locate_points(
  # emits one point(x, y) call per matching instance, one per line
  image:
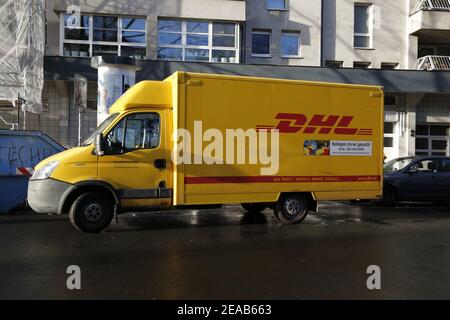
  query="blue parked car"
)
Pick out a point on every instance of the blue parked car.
point(424, 178)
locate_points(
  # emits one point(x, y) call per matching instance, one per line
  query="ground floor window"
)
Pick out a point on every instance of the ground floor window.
point(432, 140)
point(389, 134)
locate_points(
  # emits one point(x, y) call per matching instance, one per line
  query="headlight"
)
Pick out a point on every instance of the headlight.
point(45, 171)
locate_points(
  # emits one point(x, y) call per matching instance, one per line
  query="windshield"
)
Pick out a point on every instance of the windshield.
point(89, 140)
point(397, 164)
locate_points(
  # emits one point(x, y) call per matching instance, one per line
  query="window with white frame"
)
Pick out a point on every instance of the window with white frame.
point(290, 44)
point(363, 26)
point(389, 134)
point(432, 139)
point(276, 5)
point(207, 41)
point(261, 40)
point(94, 35)
point(391, 118)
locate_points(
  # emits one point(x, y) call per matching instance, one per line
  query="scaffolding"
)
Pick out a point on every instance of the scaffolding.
point(22, 45)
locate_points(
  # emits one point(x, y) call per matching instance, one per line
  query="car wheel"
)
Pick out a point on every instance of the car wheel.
point(91, 212)
point(388, 197)
point(254, 207)
point(291, 208)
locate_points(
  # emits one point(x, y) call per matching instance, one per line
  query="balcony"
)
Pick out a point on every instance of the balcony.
point(430, 63)
point(436, 5)
point(430, 16)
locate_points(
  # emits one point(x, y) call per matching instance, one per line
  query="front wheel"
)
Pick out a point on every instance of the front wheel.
point(291, 208)
point(91, 212)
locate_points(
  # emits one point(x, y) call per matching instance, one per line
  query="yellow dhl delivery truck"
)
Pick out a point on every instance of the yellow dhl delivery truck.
point(201, 139)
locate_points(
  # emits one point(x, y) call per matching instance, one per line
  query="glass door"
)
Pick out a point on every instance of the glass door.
point(432, 140)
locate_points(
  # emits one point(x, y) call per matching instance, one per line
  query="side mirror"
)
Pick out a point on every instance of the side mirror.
point(412, 171)
point(99, 145)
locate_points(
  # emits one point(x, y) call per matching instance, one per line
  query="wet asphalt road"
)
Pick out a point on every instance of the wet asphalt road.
point(228, 254)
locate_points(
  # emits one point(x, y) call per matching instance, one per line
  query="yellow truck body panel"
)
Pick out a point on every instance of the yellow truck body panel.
point(342, 113)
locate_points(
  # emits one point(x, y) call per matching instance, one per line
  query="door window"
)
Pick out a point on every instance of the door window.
point(445, 165)
point(389, 134)
point(134, 132)
point(425, 166)
point(432, 140)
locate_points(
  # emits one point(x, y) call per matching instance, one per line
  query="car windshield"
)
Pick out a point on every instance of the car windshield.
point(89, 140)
point(397, 164)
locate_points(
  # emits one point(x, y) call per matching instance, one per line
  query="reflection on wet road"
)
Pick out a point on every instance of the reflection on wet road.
point(227, 253)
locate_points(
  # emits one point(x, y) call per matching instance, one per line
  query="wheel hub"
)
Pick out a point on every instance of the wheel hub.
point(93, 212)
point(293, 207)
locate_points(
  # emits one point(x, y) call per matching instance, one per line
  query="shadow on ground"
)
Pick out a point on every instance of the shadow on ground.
point(329, 213)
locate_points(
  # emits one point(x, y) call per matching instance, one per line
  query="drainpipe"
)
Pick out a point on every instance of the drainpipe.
point(321, 31)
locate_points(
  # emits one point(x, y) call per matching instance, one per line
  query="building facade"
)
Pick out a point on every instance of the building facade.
point(364, 34)
point(345, 33)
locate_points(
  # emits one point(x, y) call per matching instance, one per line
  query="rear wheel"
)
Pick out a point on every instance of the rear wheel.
point(254, 207)
point(91, 212)
point(291, 208)
point(388, 197)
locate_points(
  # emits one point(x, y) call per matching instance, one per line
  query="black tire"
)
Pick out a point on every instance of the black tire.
point(388, 199)
point(440, 203)
point(291, 208)
point(91, 212)
point(254, 207)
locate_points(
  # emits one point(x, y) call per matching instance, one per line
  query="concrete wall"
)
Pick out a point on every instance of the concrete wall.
point(231, 10)
point(303, 16)
point(390, 38)
point(429, 20)
point(434, 108)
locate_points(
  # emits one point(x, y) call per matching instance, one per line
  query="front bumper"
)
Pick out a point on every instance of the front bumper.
point(44, 196)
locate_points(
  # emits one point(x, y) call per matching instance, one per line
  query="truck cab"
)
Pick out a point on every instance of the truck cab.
point(122, 164)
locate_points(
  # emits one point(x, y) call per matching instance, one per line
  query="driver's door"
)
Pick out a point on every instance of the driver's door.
point(419, 181)
point(131, 149)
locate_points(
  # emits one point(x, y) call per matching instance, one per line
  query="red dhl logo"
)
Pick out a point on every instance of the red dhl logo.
point(319, 123)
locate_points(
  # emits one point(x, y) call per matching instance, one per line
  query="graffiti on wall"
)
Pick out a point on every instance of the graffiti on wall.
point(13, 156)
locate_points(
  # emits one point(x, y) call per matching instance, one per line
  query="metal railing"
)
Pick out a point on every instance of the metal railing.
point(12, 125)
point(433, 63)
point(432, 5)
